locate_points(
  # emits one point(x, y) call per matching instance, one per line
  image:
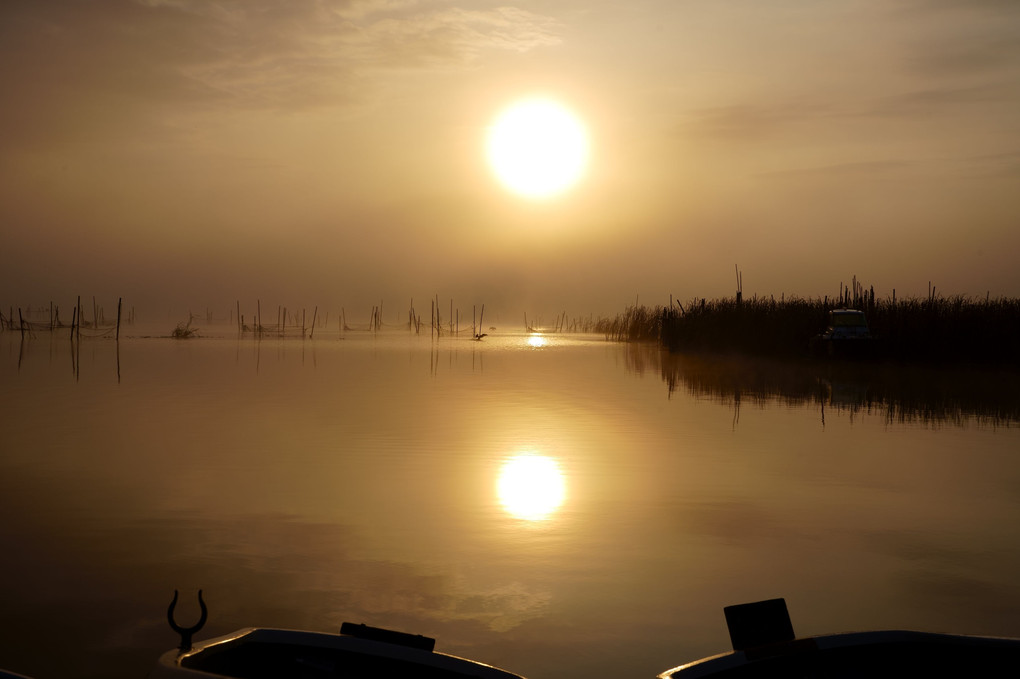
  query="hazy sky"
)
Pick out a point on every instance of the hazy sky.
point(197, 152)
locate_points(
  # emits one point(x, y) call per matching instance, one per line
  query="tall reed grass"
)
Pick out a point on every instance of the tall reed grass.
point(935, 329)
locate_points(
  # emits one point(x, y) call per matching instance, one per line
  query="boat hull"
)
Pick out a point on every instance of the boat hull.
point(263, 653)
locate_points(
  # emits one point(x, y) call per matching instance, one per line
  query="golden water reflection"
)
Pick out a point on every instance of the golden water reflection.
point(537, 341)
point(531, 486)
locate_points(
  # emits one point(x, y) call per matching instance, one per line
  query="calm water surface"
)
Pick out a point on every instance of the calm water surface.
point(304, 483)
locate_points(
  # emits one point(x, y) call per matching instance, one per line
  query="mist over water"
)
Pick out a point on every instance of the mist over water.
point(301, 483)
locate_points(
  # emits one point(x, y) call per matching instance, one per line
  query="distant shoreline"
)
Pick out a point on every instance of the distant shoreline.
point(934, 331)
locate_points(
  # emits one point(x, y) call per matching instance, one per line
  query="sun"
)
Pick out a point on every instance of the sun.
point(537, 148)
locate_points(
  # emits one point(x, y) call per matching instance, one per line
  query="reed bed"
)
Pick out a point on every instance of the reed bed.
point(636, 324)
point(935, 329)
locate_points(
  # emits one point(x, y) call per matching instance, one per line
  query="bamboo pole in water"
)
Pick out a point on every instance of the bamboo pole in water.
point(21, 323)
point(78, 331)
point(117, 336)
point(314, 314)
point(74, 318)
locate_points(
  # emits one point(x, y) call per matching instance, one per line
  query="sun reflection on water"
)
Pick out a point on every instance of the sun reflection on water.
point(537, 341)
point(531, 486)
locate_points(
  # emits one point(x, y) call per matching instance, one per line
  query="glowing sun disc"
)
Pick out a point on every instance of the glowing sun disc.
point(531, 487)
point(537, 148)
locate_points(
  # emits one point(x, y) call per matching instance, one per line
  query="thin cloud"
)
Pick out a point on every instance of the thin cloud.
point(969, 6)
point(986, 165)
point(967, 55)
point(750, 122)
point(921, 102)
point(298, 52)
point(104, 69)
point(870, 168)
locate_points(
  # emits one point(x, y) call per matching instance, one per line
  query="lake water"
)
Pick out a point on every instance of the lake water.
point(301, 483)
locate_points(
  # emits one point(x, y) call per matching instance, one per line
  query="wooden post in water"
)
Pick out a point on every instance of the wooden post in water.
point(21, 323)
point(117, 336)
point(78, 331)
point(315, 313)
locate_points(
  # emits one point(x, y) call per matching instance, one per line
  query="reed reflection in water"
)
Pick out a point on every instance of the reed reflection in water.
point(899, 393)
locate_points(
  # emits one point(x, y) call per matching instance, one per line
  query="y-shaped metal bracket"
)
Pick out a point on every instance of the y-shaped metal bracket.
point(186, 632)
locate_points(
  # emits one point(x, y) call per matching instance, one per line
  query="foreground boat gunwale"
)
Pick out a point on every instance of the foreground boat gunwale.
point(197, 660)
point(897, 647)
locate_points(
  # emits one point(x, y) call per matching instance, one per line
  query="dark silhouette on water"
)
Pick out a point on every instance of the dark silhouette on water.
point(764, 645)
point(187, 632)
point(928, 395)
point(935, 330)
